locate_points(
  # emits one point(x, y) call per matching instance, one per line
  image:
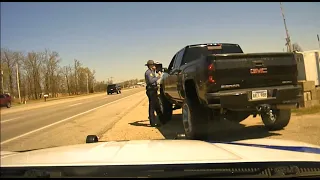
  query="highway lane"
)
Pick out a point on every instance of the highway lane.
point(35, 105)
point(16, 124)
point(22, 111)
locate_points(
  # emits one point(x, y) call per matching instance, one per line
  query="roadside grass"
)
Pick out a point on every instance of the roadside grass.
point(304, 111)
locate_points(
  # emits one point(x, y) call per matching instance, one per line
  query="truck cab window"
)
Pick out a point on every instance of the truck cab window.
point(227, 49)
point(193, 53)
point(171, 63)
point(178, 59)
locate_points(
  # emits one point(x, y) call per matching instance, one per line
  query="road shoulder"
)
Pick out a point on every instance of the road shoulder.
point(133, 126)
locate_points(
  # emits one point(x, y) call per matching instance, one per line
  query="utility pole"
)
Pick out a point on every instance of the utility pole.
point(92, 85)
point(287, 32)
point(87, 83)
point(2, 83)
point(75, 75)
point(18, 84)
point(111, 80)
point(318, 40)
point(67, 71)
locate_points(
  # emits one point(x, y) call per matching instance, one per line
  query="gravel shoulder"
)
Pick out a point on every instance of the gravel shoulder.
point(135, 125)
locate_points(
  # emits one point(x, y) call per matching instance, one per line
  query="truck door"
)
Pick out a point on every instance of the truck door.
point(174, 73)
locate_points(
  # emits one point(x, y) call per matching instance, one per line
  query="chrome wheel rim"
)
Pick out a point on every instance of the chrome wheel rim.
point(186, 119)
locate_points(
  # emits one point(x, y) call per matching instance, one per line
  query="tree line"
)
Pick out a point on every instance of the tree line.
point(34, 74)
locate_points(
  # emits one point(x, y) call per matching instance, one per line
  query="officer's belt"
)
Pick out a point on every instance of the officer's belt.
point(151, 87)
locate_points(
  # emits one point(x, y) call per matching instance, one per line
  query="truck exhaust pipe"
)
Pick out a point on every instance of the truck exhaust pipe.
point(263, 108)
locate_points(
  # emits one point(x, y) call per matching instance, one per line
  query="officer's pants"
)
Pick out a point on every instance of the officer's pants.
point(153, 106)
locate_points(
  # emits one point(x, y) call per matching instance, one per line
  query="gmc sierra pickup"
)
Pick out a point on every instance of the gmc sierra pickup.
point(218, 81)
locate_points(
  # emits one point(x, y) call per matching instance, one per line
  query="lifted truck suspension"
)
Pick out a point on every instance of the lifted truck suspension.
point(266, 109)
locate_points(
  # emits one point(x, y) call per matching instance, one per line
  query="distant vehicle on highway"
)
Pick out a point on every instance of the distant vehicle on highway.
point(220, 81)
point(143, 84)
point(113, 88)
point(5, 100)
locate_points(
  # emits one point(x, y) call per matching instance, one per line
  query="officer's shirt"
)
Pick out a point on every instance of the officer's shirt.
point(151, 78)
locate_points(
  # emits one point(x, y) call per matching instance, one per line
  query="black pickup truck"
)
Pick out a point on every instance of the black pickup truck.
point(218, 81)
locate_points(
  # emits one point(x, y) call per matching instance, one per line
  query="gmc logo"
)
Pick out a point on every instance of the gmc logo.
point(258, 71)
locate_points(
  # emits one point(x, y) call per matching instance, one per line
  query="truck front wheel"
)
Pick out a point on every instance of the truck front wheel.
point(276, 119)
point(195, 121)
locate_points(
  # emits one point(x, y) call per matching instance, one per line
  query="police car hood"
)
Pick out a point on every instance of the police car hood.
point(136, 152)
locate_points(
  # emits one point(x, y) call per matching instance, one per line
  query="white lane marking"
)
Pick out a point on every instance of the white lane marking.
point(10, 119)
point(75, 104)
point(63, 120)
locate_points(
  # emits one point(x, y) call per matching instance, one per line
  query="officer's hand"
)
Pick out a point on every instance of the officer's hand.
point(159, 72)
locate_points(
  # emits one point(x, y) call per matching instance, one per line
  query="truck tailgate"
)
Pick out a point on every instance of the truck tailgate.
point(235, 71)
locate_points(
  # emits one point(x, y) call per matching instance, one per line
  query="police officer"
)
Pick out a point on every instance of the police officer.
point(152, 88)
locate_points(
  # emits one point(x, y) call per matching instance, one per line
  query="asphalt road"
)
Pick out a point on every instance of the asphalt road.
point(17, 125)
point(125, 117)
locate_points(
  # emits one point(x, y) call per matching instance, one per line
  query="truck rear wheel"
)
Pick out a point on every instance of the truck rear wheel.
point(277, 120)
point(195, 120)
point(8, 104)
point(166, 108)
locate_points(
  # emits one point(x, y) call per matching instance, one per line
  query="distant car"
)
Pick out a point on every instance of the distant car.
point(5, 100)
point(113, 88)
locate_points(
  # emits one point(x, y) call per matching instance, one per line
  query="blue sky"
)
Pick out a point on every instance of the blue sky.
point(116, 39)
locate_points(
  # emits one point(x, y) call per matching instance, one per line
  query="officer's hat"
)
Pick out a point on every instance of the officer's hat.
point(150, 62)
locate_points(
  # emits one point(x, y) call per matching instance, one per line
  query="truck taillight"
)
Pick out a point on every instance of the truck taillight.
point(211, 67)
point(211, 80)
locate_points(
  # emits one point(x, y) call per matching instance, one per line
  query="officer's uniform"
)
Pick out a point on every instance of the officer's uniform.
point(151, 88)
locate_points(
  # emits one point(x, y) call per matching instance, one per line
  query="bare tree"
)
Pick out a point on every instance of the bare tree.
point(66, 72)
point(32, 64)
point(296, 47)
point(51, 66)
point(40, 72)
point(7, 57)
